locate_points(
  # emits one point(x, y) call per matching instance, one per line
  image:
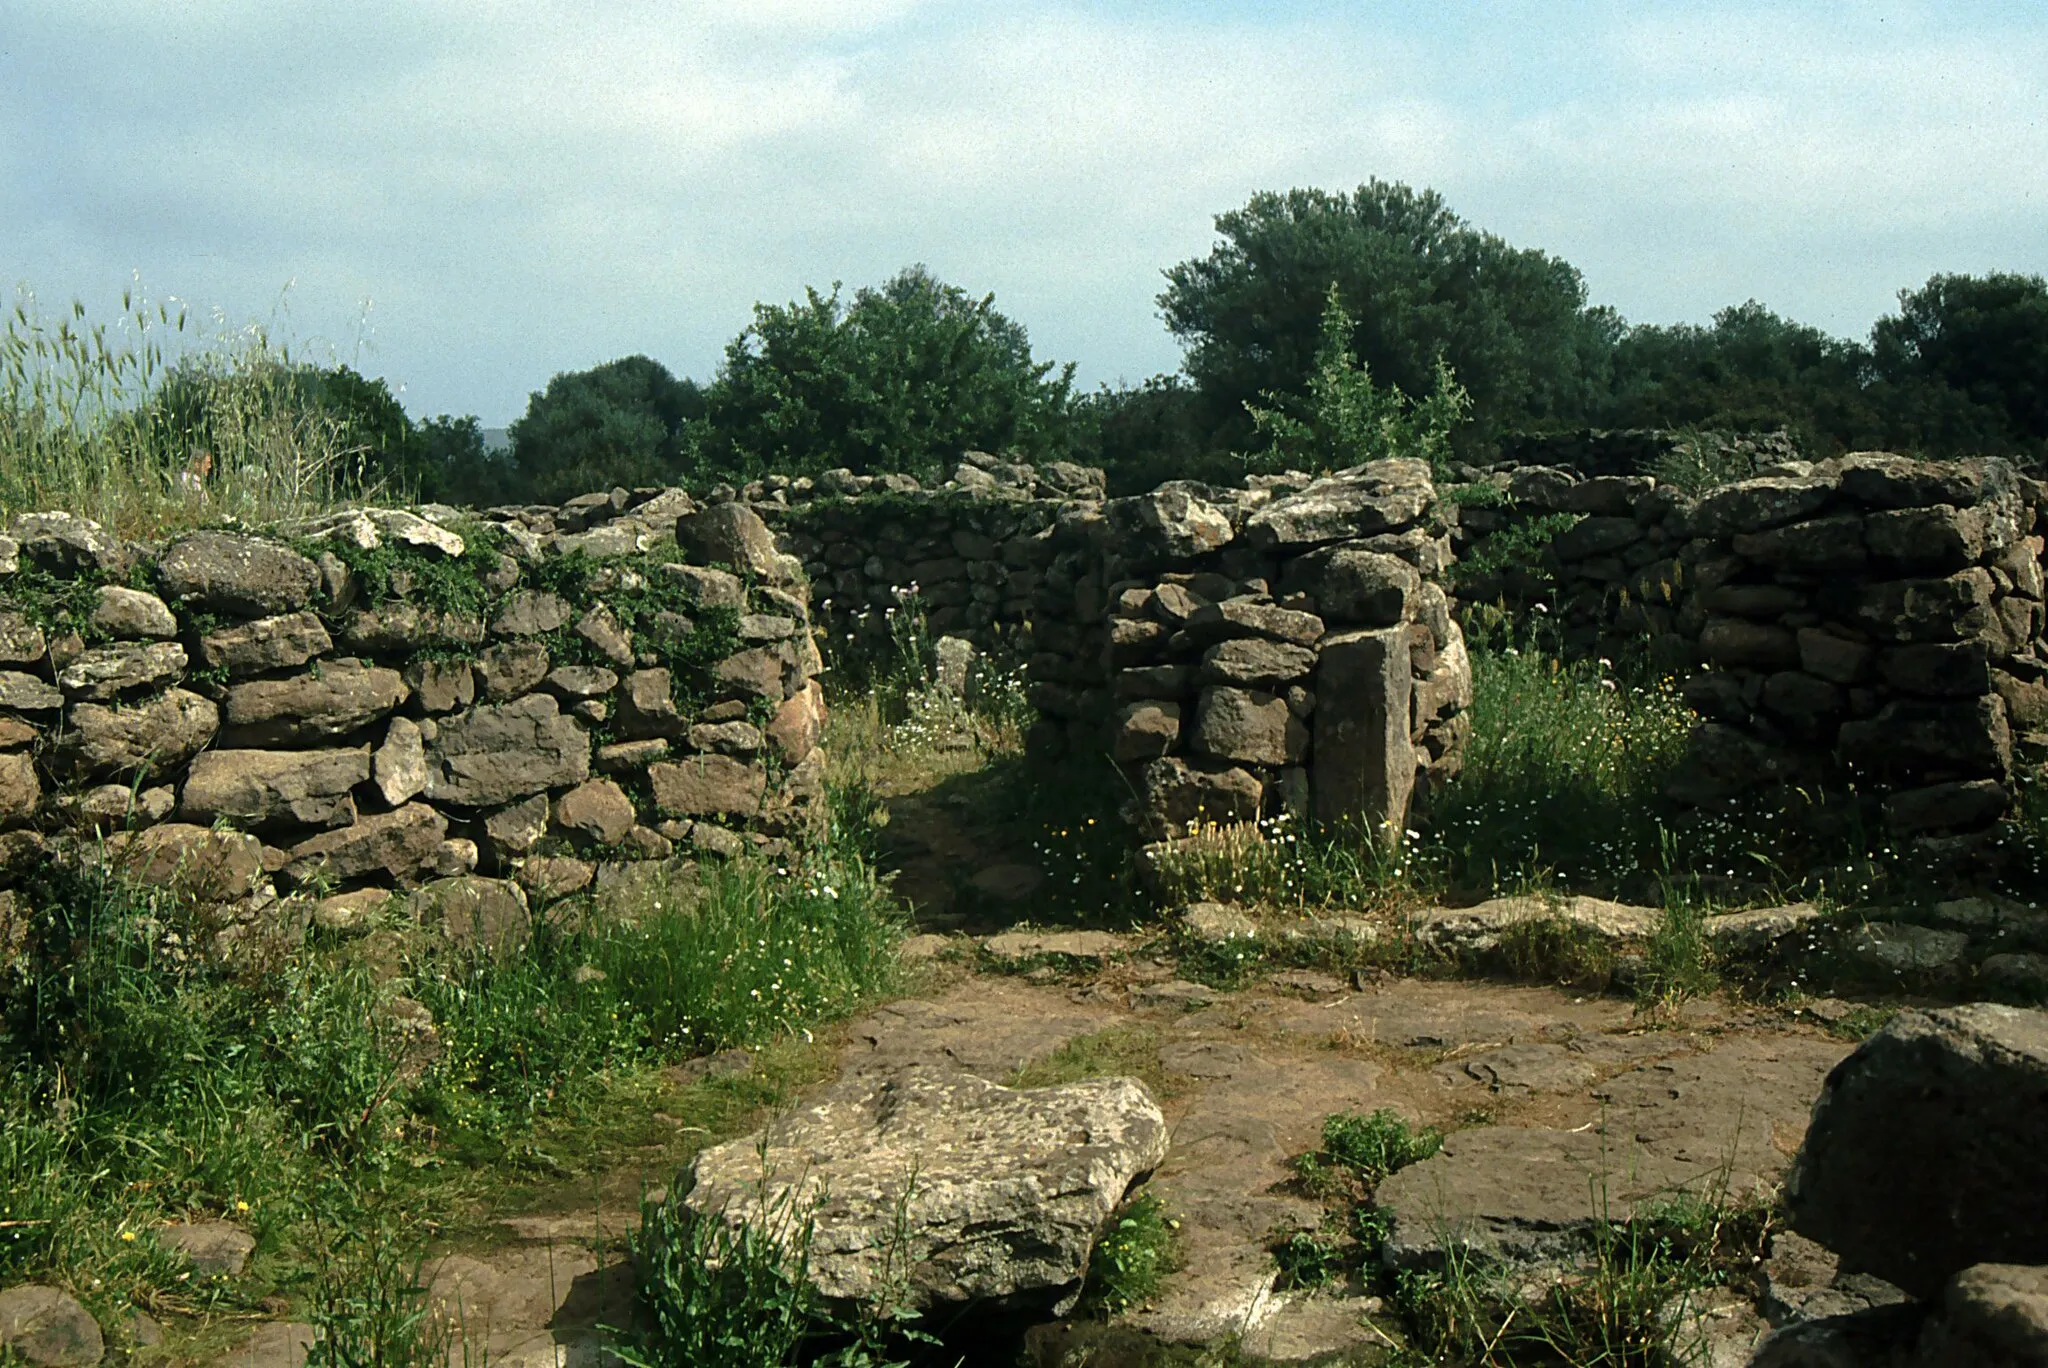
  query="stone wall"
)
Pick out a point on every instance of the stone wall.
point(1644, 451)
point(1877, 619)
point(493, 706)
point(1287, 646)
point(1870, 620)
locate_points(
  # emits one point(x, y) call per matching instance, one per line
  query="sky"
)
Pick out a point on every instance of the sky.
point(467, 198)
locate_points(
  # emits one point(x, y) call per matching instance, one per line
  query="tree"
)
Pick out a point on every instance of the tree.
point(621, 423)
point(1345, 419)
point(1419, 282)
point(1965, 361)
point(1750, 370)
point(904, 378)
point(1144, 435)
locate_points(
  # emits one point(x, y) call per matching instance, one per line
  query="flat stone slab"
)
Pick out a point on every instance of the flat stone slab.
point(1724, 1121)
point(1479, 928)
point(1021, 947)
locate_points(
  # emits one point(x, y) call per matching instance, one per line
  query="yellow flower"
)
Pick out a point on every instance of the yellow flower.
point(128, 1237)
point(241, 1205)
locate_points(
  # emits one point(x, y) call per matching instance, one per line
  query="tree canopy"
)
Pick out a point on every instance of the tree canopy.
point(621, 423)
point(903, 378)
point(1420, 284)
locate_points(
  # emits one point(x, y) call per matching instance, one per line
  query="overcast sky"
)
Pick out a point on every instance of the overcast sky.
point(517, 189)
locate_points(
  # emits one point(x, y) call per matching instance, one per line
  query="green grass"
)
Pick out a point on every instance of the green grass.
point(147, 1079)
point(1125, 1050)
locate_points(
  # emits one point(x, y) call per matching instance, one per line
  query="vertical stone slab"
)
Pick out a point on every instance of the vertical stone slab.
point(1362, 764)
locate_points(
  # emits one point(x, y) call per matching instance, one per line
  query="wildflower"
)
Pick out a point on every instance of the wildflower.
point(127, 1237)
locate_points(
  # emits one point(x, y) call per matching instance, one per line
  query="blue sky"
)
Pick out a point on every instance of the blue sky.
point(466, 198)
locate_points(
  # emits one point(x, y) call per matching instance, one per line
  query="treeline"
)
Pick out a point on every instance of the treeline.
point(906, 375)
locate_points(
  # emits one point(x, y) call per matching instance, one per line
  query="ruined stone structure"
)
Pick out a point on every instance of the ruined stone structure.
point(1288, 646)
point(477, 709)
point(1872, 620)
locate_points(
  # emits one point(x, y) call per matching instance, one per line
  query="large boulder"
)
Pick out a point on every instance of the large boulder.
point(500, 752)
point(225, 572)
point(107, 740)
point(1380, 496)
point(263, 790)
point(1924, 1156)
point(48, 1328)
point(996, 1194)
point(341, 697)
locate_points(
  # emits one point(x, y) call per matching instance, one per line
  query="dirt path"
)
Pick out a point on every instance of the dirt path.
point(1546, 1094)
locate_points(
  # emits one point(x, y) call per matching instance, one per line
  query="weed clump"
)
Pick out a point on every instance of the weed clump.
point(1132, 1257)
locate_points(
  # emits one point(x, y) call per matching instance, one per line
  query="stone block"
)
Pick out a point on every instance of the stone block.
point(1364, 771)
point(262, 790)
point(498, 752)
point(1248, 727)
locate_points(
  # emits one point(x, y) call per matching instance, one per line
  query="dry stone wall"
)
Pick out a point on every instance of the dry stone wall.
point(1870, 620)
point(480, 708)
point(1288, 646)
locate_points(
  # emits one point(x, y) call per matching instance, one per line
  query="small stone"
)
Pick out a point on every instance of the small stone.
point(519, 828)
point(726, 738)
point(133, 614)
point(582, 681)
point(1209, 923)
point(555, 876)
point(1175, 993)
point(285, 642)
point(707, 786)
point(528, 613)
point(648, 843)
point(455, 856)
point(400, 764)
point(510, 669)
point(625, 757)
point(347, 913)
point(213, 1248)
point(1021, 947)
point(597, 810)
point(1899, 950)
point(109, 672)
point(601, 629)
point(717, 841)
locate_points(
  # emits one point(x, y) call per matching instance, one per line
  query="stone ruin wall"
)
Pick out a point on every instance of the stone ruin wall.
point(297, 716)
point(297, 725)
point(1285, 647)
point(1871, 619)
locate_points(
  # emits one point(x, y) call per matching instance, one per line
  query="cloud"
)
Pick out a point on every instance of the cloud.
point(525, 189)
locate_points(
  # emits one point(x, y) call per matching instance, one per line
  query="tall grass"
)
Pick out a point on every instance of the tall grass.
point(147, 1077)
point(147, 423)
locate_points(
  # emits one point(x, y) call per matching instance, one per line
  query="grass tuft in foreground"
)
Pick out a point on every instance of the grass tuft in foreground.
point(379, 1085)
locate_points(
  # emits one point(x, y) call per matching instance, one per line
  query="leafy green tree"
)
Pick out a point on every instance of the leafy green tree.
point(621, 423)
point(1144, 435)
point(1345, 419)
point(904, 378)
point(1965, 361)
point(1421, 283)
point(1750, 370)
